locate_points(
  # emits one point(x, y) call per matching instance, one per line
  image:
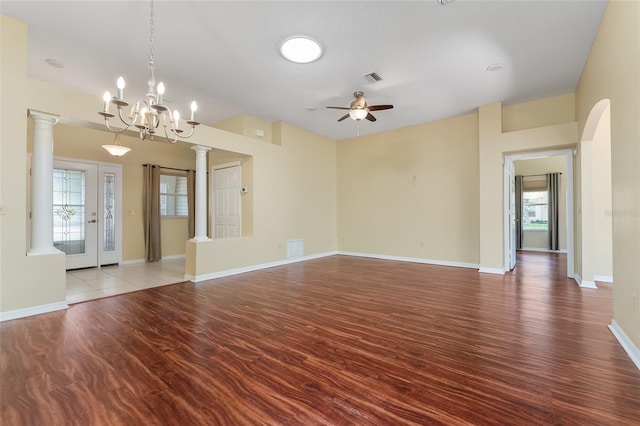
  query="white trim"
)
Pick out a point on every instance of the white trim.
point(584, 283)
point(577, 278)
point(603, 278)
point(229, 272)
point(142, 260)
point(251, 268)
point(33, 310)
point(132, 261)
point(497, 271)
point(542, 250)
point(412, 259)
point(173, 256)
point(626, 343)
point(569, 166)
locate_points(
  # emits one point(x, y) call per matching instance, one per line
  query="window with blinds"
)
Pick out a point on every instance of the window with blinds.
point(173, 196)
point(535, 204)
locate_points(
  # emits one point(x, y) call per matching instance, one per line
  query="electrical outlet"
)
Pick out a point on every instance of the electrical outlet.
point(635, 303)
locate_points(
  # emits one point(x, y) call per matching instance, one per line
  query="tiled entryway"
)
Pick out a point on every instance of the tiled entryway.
point(94, 283)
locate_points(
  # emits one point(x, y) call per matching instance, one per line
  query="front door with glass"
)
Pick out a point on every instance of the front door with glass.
point(86, 212)
point(75, 212)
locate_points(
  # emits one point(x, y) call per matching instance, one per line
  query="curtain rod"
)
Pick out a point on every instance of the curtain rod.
point(169, 168)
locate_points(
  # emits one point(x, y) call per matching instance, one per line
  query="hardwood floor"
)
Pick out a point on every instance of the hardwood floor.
point(333, 341)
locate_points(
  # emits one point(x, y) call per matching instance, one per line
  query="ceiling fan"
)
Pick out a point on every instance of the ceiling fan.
point(359, 108)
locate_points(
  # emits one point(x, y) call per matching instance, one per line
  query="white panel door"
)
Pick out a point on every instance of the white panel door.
point(75, 212)
point(226, 188)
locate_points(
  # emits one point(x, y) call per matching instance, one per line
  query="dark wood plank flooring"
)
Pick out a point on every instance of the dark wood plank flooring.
point(333, 341)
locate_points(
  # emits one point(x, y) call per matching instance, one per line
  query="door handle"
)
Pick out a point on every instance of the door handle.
point(92, 221)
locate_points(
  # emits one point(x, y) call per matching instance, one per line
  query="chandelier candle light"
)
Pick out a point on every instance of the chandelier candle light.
point(148, 113)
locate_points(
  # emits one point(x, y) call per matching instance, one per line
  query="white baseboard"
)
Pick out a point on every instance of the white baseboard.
point(543, 250)
point(603, 278)
point(132, 261)
point(497, 271)
point(33, 310)
point(412, 259)
point(135, 261)
point(588, 284)
point(584, 283)
point(626, 343)
point(175, 256)
point(229, 272)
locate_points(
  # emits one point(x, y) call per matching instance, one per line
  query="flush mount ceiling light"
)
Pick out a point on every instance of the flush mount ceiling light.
point(149, 113)
point(300, 49)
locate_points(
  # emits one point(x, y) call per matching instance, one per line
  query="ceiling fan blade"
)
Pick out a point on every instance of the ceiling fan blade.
point(343, 117)
point(379, 107)
point(339, 107)
point(370, 117)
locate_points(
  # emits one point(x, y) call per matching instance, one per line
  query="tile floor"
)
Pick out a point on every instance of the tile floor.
point(94, 283)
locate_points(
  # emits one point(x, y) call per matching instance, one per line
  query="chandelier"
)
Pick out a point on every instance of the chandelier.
point(149, 113)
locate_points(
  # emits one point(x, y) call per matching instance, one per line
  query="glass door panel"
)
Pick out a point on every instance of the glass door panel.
point(75, 212)
point(69, 210)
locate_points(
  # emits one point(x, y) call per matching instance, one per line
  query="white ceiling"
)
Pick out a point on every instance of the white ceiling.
point(432, 58)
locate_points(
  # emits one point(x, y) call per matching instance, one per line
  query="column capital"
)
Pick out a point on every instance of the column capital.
point(199, 148)
point(34, 114)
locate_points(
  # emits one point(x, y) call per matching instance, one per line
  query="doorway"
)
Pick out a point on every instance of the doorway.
point(87, 212)
point(509, 209)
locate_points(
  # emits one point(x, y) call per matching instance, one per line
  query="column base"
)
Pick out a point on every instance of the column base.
point(45, 250)
point(200, 239)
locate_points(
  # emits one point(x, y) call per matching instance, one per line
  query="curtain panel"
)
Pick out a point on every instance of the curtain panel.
point(151, 212)
point(191, 201)
point(518, 191)
point(553, 189)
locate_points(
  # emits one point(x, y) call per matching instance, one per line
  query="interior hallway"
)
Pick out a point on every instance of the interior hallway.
point(95, 283)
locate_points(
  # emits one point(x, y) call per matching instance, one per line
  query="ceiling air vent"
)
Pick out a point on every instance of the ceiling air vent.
point(372, 77)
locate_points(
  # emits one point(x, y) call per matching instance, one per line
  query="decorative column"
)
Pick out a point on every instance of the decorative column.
point(201, 194)
point(42, 183)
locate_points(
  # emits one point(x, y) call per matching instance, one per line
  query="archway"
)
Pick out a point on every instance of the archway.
point(594, 259)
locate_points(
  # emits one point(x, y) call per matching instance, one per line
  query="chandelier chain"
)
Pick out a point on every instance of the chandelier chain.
point(151, 32)
point(149, 115)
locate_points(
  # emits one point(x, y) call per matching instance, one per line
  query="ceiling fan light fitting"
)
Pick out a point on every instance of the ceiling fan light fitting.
point(358, 114)
point(300, 49)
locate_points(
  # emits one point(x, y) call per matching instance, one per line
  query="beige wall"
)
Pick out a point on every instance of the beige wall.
point(25, 281)
point(611, 72)
point(536, 166)
point(451, 211)
point(539, 113)
point(249, 126)
point(86, 144)
point(494, 145)
point(412, 192)
point(293, 184)
point(294, 190)
point(602, 220)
